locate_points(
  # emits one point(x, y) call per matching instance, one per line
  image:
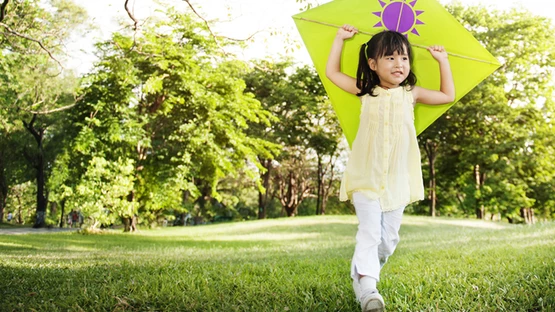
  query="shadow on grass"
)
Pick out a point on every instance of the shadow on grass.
point(267, 236)
point(257, 245)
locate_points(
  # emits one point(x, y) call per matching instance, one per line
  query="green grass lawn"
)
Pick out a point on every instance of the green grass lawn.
point(298, 264)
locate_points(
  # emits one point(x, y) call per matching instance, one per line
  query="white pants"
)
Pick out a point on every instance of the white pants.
point(377, 236)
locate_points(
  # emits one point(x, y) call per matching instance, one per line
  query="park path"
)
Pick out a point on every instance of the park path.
point(19, 231)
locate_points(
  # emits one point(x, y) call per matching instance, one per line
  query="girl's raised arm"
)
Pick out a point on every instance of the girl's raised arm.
point(333, 66)
point(446, 93)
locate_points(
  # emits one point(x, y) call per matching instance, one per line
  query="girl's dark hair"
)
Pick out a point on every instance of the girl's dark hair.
point(382, 44)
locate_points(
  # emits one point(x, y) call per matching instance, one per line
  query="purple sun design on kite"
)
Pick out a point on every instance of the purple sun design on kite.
point(400, 16)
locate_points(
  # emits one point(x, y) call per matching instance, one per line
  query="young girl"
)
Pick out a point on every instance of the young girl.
point(383, 173)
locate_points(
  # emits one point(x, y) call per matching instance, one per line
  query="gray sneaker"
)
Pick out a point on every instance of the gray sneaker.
point(372, 302)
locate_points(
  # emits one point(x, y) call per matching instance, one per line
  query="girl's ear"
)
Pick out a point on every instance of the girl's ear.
point(372, 64)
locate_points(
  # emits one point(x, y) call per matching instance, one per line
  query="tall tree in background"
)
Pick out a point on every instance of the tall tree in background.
point(325, 140)
point(489, 146)
point(33, 38)
point(163, 113)
point(301, 98)
point(265, 82)
point(300, 103)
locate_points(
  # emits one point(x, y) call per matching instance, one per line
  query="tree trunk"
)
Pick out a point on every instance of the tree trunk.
point(38, 160)
point(262, 205)
point(320, 186)
point(134, 221)
point(41, 199)
point(527, 215)
point(326, 188)
point(291, 199)
point(324, 203)
point(126, 224)
point(431, 152)
point(480, 179)
point(1, 207)
point(205, 197)
point(130, 224)
point(264, 197)
point(19, 206)
point(63, 204)
point(3, 192)
point(293, 190)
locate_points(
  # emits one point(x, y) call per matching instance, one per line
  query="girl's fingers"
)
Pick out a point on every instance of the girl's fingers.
point(349, 28)
point(437, 48)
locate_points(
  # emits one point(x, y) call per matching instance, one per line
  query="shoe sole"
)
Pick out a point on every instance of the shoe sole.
point(374, 306)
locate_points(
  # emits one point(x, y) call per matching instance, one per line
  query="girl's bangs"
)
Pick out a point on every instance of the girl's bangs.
point(392, 43)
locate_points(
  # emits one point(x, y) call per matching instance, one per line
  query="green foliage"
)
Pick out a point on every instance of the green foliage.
point(51, 22)
point(495, 144)
point(33, 90)
point(166, 123)
point(168, 112)
point(102, 191)
point(307, 131)
point(21, 202)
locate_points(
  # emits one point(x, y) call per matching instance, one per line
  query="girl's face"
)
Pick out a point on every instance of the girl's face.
point(391, 69)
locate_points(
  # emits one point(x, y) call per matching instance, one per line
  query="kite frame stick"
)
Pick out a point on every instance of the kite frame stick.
point(414, 45)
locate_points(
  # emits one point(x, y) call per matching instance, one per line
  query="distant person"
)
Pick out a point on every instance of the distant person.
point(10, 216)
point(383, 173)
point(74, 218)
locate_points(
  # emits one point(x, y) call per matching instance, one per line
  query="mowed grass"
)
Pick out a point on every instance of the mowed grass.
point(298, 264)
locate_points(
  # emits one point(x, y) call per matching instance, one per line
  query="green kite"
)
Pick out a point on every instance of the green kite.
point(424, 22)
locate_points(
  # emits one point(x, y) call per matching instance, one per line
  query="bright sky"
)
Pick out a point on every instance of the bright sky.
point(240, 19)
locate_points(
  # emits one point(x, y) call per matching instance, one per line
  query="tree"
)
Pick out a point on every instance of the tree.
point(265, 82)
point(325, 140)
point(168, 104)
point(34, 32)
point(488, 147)
point(306, 129)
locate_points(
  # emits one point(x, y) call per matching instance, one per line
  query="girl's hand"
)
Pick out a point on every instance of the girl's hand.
point(446, 93)
point(346, 31)
point(333, 66)
point(438, 52)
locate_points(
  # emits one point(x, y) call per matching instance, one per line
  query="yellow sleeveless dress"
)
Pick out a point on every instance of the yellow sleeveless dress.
point(384, 163)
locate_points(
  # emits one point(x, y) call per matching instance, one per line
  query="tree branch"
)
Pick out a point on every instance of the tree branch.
point(216, 37)
point(131, 16)
point(31, 127)
point(3, 9)
point(39, 42)
point(202, 18)
point(59, 109)
point(135, 23)
point(51, 111)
